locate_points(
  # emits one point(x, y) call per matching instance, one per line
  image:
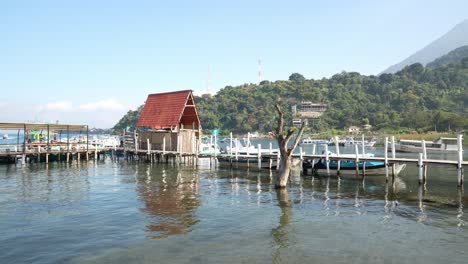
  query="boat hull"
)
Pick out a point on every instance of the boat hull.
point(411, 149)
point(348, 168)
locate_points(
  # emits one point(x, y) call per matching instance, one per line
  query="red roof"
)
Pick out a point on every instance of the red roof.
point(166, 110)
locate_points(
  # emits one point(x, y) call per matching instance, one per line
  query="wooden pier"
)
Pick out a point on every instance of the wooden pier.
point(134, 149)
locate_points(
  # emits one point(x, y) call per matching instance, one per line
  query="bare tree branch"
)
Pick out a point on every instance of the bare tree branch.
point(298, 138)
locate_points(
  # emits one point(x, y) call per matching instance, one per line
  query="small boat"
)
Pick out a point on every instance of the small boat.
point(348, 167)
point(366, 143)
point(5, 136)
point(309, 141)
point(440, 145)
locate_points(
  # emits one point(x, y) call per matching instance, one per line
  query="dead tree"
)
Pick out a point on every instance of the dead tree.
point(286, 162)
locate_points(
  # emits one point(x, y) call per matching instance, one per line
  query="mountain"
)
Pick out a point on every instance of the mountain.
point(453, 39)
point(455, 56)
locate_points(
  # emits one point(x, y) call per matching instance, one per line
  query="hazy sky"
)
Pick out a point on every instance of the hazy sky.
point(89, 62)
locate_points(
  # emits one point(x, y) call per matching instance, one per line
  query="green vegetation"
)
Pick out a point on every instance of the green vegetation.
point(128, 121)
point(415, 98)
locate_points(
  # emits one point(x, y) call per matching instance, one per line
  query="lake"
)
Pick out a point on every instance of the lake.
point(130, 212)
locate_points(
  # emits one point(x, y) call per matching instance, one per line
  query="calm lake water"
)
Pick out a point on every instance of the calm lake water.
point(128, 212)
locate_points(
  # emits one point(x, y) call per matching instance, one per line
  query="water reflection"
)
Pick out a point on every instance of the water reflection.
point(461, 223)
point(170, 196)
point(281, 234)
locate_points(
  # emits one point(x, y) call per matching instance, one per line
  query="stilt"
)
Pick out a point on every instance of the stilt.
point(386, 158)
point(424, 159)
point(393, 157)
point(420, 168)
point(460, 160)
point(259, 156)
point(357, 159)
point(327, 160)
point(337, 150)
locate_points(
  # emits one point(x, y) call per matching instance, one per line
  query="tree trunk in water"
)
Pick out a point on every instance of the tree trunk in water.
point(286, 152)
point(282, 176)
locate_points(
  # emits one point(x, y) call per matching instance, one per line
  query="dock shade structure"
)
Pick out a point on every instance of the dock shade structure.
point(46, 135)
point(169, 122)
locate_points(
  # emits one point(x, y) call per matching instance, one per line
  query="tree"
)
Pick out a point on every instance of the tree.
point(296, 77)
point(285, 163)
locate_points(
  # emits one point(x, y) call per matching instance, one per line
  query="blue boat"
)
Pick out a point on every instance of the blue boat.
point(348, 167)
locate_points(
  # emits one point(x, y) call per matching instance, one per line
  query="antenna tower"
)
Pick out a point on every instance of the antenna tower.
point(259, 71)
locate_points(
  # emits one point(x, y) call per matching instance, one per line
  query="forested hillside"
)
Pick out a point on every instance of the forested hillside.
point(415, 98)
point(456, 56)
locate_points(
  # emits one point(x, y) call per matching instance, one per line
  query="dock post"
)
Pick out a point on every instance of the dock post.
point(278, 158)
point(337, 147)
point(259, 156)
point(386, 158)
point(301, 160)
point(47, 157)
point(164, 146)
point(363, 146)
point(420, 168)
point(424, 159)
point(356, 150)
point(327, 160)
point(230, 144)
point(271, 158)
point(314, 148)
point(95, 154)
point(460, 160)
point(393, 157)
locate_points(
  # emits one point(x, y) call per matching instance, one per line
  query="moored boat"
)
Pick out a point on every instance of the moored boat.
point(348, 167)
point(440, 145)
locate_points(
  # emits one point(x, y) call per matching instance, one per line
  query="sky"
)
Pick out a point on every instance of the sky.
point(89, 62)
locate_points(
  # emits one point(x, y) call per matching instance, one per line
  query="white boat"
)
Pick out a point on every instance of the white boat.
point(5, 136)
point(440, 145)
point(309, 141)
point(366, 143)
point(243, 147)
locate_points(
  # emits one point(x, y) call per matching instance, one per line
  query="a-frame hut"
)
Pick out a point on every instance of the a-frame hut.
point(170, 120)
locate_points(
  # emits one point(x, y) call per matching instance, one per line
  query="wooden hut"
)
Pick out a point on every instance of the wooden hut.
point(170, 121)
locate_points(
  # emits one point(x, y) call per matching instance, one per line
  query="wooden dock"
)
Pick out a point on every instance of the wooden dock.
point(130, 150)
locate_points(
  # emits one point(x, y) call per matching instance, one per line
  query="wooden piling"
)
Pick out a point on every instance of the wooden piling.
point(314, 148)
point(356, 150)
point(393, 157)
point(386, 158)
point(420, 168)
point(337, 151)
point(460, 160)
point(259, 156)
point(424, 159)
point(327, 160)
point(270, 151)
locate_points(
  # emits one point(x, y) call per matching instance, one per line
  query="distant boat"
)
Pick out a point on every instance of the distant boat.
point(5, 136)
point(309, 141)
point(440, 145)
